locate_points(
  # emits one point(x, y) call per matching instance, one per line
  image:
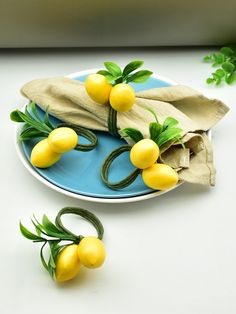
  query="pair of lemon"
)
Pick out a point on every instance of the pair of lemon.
point(121, 96)
point(90, 252)
point(157, 176)
point(48, 151)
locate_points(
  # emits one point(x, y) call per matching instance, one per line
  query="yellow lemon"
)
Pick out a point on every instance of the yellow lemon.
point(144, 153)
point(122, 97)
point(98, 88)
point(91, 252)
point(42, 156)
point(160, 177)
point(67, 264)
point(62, 140)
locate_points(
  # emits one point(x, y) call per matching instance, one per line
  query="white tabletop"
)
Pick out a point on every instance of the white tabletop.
point(174, 254)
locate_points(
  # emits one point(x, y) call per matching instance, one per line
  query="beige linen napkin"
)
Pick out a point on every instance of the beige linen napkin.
point(68, 100)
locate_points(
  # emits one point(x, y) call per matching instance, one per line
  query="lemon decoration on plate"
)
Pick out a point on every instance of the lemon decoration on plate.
point(122, 97)
point(98, 88)
point(111, 86)
point(62, 140)
point(57, 140)
point(144, 155)
point(160, 177)
point(42, 156)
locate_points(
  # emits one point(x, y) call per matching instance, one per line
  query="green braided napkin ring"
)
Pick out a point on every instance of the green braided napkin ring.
point(65, 259)
point(87, 215)
point(107, 163)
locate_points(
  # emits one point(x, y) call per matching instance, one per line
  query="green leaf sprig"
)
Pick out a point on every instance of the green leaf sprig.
point(161, 134)
point(116, 75)
point(225, 62)
point(56, 236)
point(51, 235)
point(35, 127)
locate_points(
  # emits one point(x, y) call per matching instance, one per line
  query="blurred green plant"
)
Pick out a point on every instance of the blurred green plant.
point(225, 62)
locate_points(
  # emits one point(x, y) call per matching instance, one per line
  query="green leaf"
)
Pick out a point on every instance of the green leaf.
point(229, 79)
point(219, 58)
point(54, 231)
point(217, 78)
point(47, 121)
point(220, 73)
point(140, 76)
point(155, 130)
point(107, 74)
point(207, 58)
point(33, 108)
point(42, 257)
point(29, 235)
point(210, 80)
point(113, 68)
point(50, 228)
point(38, 226)
point(153, 113)
point(228, 67)
point(130, 67)
point(30, 133)
point(30, 120)
point(15, 116)
point(169, 123)
point(54, 251)
point(134, 134)
point(228, 52)
point(168, 135)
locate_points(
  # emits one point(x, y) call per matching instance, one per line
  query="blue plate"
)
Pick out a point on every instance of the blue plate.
point(79, 172)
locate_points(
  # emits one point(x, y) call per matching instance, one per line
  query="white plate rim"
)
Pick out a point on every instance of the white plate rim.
point(43, 180)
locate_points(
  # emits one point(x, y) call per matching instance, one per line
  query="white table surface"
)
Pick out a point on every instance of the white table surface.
point(175, 254)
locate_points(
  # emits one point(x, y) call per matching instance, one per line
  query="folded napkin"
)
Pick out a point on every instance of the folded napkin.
point(68, 100)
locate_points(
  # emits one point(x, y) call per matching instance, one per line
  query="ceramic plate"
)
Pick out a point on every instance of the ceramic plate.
point(77, 174)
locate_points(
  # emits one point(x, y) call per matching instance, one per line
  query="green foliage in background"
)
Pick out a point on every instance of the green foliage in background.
point(225, 62)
